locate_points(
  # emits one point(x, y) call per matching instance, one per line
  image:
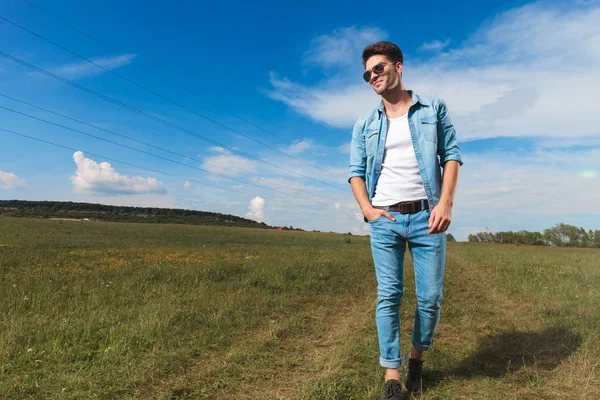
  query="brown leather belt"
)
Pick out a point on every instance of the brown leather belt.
point(407, 207)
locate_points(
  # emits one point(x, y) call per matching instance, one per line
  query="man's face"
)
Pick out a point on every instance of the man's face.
point(387, 79)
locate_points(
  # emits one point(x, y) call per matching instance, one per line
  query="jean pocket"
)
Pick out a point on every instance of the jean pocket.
point(376, 219)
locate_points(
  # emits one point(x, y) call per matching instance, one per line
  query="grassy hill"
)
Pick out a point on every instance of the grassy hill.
point(159, 311)
point(100, 212)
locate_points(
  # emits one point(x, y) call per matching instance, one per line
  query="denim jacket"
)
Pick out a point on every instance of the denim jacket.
point(433, 138)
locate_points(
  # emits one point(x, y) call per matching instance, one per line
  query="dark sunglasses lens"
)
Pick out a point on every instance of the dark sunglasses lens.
point(378, 68)
point(367, 76)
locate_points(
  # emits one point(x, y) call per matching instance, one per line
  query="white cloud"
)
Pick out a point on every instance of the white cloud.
point(218, 149)
point(9, 180)
point(344, 148)
point(187, 185)
point(256, 209)
point(330, 172)
point(299, 146)
point(588, 173)
point(229, 163)
point(338, 106)
point(496, 191)
point(342, 47)
point(309, 205)
point(532, 71)
point(505, 191)
point(314, 151)
point(84, 68)
point(350, 209)
point(102, 179)
point(562, 143)
point(282, 184)
point(435, 45)
point(351, 206)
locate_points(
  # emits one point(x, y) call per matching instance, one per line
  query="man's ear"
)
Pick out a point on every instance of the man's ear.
point(400, 68)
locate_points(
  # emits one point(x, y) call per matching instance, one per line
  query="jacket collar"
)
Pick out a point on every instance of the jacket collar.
point(415, 99)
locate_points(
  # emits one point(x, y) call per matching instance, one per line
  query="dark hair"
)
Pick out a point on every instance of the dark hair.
point(388, 49)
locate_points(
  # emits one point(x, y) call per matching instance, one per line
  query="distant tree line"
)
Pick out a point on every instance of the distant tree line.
point(70, 210)
point(562, 235)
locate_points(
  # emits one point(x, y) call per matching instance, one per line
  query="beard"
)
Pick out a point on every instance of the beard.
point(388, 85)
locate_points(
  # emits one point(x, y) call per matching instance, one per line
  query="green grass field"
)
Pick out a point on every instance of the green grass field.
point(138, 311)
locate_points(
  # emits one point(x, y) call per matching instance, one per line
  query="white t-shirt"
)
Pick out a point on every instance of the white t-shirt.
point(400, 179)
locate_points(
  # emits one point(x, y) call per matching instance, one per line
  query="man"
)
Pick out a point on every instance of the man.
point(396, 157)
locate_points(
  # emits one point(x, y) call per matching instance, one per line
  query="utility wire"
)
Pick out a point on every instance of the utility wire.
point(157, 119)
point(189, 110)
point(120, 135)
point(155, 155)
point(137, 166)
point(153, 71)
point(121, 162)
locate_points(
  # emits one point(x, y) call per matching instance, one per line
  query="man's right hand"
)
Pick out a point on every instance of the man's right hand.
point(359, 189)
point(373, 213)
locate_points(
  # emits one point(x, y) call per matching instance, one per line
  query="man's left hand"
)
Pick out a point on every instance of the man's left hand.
point(440, 218)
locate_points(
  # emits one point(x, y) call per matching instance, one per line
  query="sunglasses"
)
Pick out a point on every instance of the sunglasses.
point(377, 69)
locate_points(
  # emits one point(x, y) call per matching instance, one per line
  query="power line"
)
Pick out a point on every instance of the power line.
point(189, 110)
point(116, 134)
point(136, 166)
point(153, 71)
point(154, 118)
point(154, 155)
point(121, 162)
point(145, 168)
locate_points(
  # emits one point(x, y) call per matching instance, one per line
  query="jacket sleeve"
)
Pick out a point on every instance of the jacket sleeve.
point(447, 143)
point(358, 153)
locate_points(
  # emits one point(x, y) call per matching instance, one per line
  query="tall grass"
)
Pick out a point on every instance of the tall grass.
point(110, 310)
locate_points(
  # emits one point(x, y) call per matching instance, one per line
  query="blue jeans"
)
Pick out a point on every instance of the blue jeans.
point(388, 244)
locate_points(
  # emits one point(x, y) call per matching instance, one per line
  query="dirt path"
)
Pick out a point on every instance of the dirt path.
point(279, 361)
point(487, 338)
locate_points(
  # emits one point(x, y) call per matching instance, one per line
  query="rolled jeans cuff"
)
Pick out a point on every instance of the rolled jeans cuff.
point(390, 363)
point(418, 347)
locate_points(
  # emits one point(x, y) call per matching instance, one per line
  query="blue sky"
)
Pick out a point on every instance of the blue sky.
point(520, 80)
